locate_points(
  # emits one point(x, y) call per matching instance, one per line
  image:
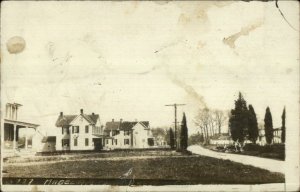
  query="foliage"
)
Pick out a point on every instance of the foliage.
point(160, 134)
point(252, 125)
point(238, 121)
point(183, 134)
point(283, 126)
point(268, 126)
point(196, 139)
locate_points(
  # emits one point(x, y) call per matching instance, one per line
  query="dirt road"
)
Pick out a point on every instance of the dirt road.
point(264, 163)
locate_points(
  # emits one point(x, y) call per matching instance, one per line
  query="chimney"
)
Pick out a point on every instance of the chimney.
point(112, 120)
point(61, 114)
point(81, 111)
point(93, 113)
point(121, 120)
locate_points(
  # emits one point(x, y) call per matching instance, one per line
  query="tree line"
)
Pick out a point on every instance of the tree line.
point(210, 122)
point(243, 123)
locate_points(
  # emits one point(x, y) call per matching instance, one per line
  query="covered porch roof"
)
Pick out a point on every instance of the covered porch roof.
point(21, 123)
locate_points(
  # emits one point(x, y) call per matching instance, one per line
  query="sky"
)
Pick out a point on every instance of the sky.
point(129, 59)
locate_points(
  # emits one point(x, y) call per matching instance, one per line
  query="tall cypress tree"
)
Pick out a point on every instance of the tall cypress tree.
point(283, 126)
point(184, 134)
point(238, 121)
point(172, 138)
point(253, 126)
point(268, 126)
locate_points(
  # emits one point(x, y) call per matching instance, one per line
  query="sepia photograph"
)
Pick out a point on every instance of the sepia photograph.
point(150, 95)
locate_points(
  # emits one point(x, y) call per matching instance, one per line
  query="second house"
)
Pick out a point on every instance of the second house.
point(128, 134)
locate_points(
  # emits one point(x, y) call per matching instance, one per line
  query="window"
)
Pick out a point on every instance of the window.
point(126, 141)
point(86, 129)
point(75, 129)
point(116, 141)
point(65, 130)
point(127, 132)
point(65, 142)
point(115, 132)
point(86, 142)
point(75, 142)
point(106, 141)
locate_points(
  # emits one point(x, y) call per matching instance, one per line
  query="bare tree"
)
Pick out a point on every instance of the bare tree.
point(220, 119)
point(211, 123)
point(202, 120)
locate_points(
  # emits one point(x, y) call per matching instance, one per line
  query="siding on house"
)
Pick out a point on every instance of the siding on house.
point(223, 139)
point(124, 134)
point(77, 132)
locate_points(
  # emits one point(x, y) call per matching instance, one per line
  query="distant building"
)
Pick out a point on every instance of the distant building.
point(160, 141)
point(277, 135)
point(44, 143)
point(125, 134)
point(79, 132)
point(221, 139)
point(262, 137)
point(12, 127)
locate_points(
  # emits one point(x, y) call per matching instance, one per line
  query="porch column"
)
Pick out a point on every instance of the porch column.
point(26, 140)
point(14, 140)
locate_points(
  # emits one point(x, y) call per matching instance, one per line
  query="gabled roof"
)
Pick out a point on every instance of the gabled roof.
point(65, 120)
point(92, 119)
point(124, 125)
point(112, 125)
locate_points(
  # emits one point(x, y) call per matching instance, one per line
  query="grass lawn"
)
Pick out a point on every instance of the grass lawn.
point(184, 169)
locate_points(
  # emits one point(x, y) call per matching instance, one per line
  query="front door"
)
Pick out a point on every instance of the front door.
point(97, 144)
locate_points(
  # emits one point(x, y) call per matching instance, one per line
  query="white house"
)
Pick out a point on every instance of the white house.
point(223, 139)
point(79, 132)
point(125, 134)
point(261, 137)
point(277, 135)
point(11, 128)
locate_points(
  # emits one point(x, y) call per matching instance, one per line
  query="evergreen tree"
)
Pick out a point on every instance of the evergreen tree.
point(183, 134)
point(253, 126)
point(172, 138)
point(238, 121)
point(268, 126)
point(283, 126)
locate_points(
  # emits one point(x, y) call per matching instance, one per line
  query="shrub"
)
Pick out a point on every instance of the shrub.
point(251, 147)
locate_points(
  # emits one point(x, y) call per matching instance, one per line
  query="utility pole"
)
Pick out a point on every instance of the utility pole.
point(175, 114)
